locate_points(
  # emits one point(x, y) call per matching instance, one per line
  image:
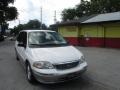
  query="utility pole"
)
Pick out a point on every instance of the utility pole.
point(41, 18)
point(55, 20)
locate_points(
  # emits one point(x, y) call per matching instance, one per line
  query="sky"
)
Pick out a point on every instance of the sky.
point(30, 9)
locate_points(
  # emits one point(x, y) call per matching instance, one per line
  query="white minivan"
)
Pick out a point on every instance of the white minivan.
point(47, 57)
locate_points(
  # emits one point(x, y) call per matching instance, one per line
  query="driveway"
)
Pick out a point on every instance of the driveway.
point(103, 71)
point(104, 65)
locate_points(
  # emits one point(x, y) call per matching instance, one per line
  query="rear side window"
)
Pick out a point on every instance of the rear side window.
point(22, 38)
point(19, 38)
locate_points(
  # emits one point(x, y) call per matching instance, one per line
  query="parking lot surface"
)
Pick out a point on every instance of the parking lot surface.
point(103, 71)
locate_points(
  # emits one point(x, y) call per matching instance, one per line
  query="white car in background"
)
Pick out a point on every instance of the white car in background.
point(47, 57)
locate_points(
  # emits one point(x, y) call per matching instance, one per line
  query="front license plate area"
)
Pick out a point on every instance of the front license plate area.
point(70, 76)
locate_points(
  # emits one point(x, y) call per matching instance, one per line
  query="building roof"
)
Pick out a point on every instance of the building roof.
point(95, 18)
point(74, 22)
point(115, 16)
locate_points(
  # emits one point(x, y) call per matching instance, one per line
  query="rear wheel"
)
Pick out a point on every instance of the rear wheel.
point(29, 74)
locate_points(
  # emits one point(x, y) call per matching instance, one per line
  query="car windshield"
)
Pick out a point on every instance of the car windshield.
point(45, 39)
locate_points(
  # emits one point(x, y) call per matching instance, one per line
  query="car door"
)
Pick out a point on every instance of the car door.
point(21, 50)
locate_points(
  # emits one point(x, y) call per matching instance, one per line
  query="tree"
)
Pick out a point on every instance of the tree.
point(83, 8)
point(68, 14)
point(7, 13)
point(105, 6)
point(91, 7)
point(17, 29)
point(80, 10)
point(32, 25)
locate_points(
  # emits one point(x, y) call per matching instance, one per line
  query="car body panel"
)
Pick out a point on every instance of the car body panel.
point(56, 54)
point(60, 76)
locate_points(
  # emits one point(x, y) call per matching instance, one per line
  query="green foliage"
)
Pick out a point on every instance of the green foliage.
point(105, 6)
point(68, 14)
point(11, 13)
point(32, 25)
point(83, 8)
point(91, 7)
point(7, 13)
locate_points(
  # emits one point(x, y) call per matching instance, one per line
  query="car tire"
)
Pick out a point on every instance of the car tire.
point(29, 74)
point(17, 58)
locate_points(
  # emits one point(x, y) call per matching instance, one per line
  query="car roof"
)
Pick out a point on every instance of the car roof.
point(37, 31)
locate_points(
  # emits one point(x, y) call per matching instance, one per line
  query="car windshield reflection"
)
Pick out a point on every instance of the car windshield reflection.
point(46, 39)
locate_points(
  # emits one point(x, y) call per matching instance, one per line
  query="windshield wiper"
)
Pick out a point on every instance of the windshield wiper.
point(55, 44)
point(35, 44)
point(49, 44)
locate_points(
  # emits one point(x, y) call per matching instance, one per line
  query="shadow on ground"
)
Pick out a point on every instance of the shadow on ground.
point(82, 83)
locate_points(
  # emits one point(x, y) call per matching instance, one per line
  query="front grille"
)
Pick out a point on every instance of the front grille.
point(66, 65)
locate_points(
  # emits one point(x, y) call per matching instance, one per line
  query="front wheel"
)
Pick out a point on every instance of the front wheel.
point(29, 74)
point(17, 58)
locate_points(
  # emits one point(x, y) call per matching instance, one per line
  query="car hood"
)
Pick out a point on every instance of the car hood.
point(56, 54)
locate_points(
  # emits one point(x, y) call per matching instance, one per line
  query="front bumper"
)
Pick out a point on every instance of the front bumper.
point(60, 76)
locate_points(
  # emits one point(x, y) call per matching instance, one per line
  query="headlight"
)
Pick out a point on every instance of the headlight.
point(82, 59)
point(43, 65)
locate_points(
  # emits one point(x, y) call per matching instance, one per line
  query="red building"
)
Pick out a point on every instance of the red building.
point(102, 30)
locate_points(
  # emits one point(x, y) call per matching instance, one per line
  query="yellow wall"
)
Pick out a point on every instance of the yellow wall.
point(92, 31)
point(112, 32)
point(68, 31)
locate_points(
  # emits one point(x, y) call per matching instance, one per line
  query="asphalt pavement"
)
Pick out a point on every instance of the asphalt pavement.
point(103, 71)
